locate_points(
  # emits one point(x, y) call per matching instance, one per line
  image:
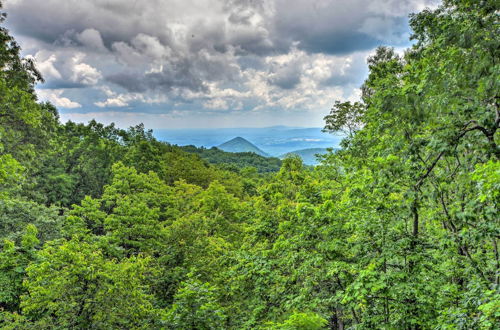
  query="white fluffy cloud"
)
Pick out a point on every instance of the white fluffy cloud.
point(65, 67)
point(82, 72)
point(55, 96)
point(112, 102)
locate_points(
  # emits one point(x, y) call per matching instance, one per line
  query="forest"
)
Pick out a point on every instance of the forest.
point(236, 160)
point(106, 228)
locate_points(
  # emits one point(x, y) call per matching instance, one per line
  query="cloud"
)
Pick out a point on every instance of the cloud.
point(335, 27)
point(124, 99)
point(216, 104)
point(256, 56)
point(306, 139)
point(285, 71)
point(55, 96)
point(66, 68)
point(47, 68)
point(83, 73)
point(112, 102)
point(91, 38)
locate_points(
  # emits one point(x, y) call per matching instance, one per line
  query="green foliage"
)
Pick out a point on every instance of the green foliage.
point(16, 214)
point(72, 283)
point(21, 117)
point(79, 163)
point(24, 123)
point(195, 307)
point(10, 174)
point(239, 160)
point(344, 116)
point(13, 262)
point(301, 321)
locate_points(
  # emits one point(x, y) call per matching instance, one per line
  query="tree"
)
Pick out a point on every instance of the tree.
point(16, 214)
point(301, 321)
point(195, 307)
point(13, 262)
point(75, 286)
point(345, 117)
point(430, 127)
point(22, 135)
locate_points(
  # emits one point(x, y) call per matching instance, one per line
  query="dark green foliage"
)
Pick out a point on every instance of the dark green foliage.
point(16, 214)
point(238, 160)
point(13, 262)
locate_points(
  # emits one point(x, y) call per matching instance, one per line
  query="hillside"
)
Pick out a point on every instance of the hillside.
point(239, 144)
point(237, 159)
point(308, 155)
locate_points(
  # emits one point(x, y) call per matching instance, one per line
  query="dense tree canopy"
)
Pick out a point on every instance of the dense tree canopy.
point(108, 228)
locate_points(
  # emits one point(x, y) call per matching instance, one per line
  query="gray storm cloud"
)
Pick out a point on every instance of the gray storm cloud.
point(256, 54)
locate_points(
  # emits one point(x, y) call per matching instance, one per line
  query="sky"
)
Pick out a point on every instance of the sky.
point(204, 63)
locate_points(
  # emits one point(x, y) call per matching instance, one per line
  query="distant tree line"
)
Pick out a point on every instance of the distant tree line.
point(236, 160)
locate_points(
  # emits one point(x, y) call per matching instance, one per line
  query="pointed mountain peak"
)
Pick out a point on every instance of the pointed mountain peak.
point(239, 144)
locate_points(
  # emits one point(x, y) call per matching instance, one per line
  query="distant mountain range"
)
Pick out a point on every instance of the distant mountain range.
point(275, 141)
point(239, 144)
point(308, 155)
